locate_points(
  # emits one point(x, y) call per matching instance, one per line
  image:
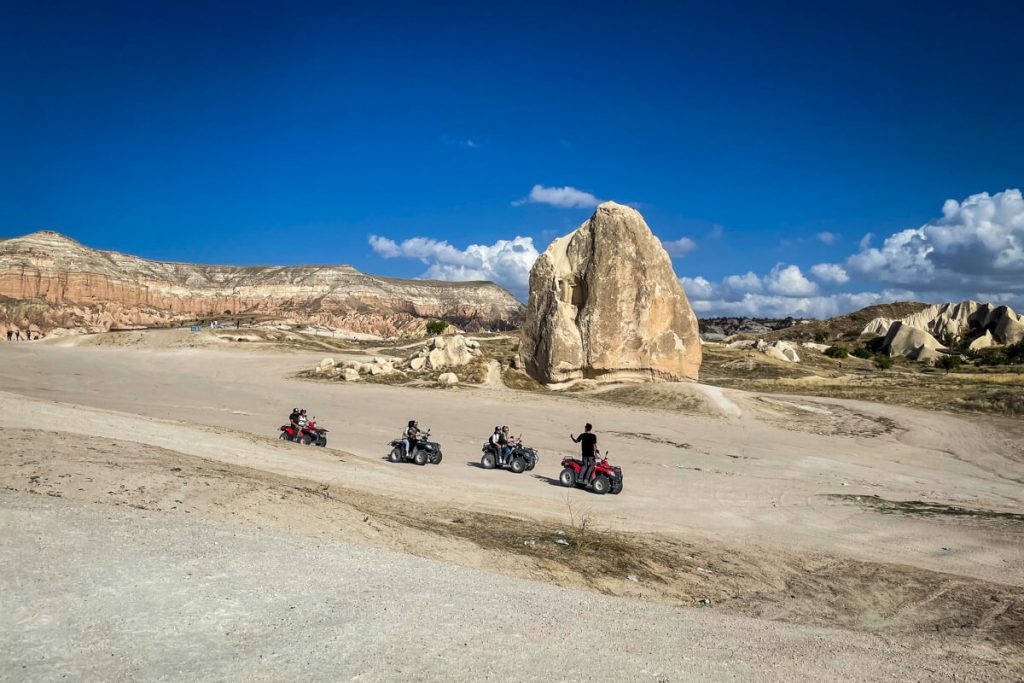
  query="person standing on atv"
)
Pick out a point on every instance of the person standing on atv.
point(588, 443)
point(412, 435)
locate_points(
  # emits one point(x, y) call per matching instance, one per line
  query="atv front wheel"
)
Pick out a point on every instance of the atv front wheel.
point(395, 455)
point(322, 441)
point(435, 459)
point(420, 458)
point(600, 484)
point(518, 465)
point(487, 461)
point(567, 477)
point(616, 488)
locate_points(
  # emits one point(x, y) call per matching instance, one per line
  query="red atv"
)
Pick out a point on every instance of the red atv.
point(605, 478)
point(310, 434)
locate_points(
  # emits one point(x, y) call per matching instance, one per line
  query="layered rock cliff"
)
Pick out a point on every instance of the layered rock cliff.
point(605, 304)
point(52, 281)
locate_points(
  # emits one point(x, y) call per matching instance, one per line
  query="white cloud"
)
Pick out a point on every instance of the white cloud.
point(978, 243)
point(774, 306)
point(865, 241)
point(789, 281)
point(743, 283)
point(697, 287)
point(506, 262)
point(830, 272)
point(828, 238)
point(564, 197)
point(679, 247)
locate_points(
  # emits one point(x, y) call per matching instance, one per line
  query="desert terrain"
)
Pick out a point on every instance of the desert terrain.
point(156, 527)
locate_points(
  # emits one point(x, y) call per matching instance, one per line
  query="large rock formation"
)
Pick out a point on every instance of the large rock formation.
point(606, 304)
point(53, 281)
point(903, 339)
point(965, 321)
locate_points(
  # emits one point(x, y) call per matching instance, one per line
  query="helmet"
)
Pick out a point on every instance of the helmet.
point(497, 428)
point(295, 410)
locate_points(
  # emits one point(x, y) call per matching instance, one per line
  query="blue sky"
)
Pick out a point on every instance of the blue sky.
point(753, 138)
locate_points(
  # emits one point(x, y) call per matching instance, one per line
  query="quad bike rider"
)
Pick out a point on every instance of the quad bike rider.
point(500, 451)
point(603, 478)
point(303, 430)
point(415, 446)
point(587, 472)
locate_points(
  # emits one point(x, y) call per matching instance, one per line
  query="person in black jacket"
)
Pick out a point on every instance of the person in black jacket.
point(588, 448)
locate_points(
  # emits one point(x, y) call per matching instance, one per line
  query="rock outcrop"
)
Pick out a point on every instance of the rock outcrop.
point(54, 282)
point(605, 304)
point(964, 321)
point(904, 339)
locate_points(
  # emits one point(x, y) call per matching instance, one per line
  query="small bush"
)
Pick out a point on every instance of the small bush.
point(883, 362)
point(861, 352)
point(948, 363)
point(837, 351)
point(436, 326)
point(821, 336)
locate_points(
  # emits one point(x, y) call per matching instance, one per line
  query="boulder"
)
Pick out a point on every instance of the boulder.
point(438, 343)
point(365, 368)
point(606, 304)
point(779, 350)
point(326, 364)
point(349, 375)
point(815, 346)
point(454, 353)
point(448, 379)
point(417, 363)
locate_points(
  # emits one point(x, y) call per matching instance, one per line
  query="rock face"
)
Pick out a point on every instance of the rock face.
point(55, 282)
point(605, 304)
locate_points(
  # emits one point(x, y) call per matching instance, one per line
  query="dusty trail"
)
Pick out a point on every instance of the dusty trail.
point(762, 489)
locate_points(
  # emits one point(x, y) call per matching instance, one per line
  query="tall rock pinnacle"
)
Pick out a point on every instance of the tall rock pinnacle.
point(605, 304)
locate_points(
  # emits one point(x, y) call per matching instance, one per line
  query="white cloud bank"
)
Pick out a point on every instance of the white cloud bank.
point(975, 250)
point(567, 197)
point(680, 247)
point(977, 244)
point(506, 262)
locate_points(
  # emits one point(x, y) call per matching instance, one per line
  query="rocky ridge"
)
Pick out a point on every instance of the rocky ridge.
point(968, 324)
point(53, 282)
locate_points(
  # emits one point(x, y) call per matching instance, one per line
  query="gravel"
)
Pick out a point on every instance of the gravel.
point(90, 592)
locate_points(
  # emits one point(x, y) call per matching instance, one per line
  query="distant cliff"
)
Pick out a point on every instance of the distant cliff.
point(52, 281)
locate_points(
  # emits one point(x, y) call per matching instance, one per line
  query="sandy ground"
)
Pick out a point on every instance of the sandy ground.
point(745, 500)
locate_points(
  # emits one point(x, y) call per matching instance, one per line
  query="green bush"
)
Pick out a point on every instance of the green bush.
point(436, 326)
point(883, 362)
point(821, 336)
point(837, 351)
point(948, 363)
point(861, 352)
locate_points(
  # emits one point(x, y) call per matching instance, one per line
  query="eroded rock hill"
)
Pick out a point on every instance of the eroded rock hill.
point(605, 304)
point(52, 281)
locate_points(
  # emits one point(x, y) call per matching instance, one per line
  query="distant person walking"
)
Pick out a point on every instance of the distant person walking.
point(17, 335)
point(10, 334)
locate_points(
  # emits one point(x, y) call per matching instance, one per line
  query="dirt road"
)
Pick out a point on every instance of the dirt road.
point(750, 500)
